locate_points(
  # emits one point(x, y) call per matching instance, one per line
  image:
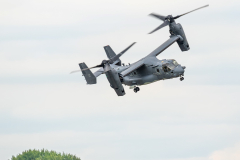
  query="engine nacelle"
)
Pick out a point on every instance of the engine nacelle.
point(115, 82)
point(176, 29)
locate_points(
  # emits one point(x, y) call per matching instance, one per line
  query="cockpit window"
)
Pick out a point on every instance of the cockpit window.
point(171, 66)
point(175, 63)
point(166, 67)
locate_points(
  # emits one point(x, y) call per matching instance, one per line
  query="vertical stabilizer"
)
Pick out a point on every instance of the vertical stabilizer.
point(110, 53)
point(89, 76)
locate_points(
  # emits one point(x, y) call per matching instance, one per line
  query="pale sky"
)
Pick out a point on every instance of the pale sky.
point(43, 106)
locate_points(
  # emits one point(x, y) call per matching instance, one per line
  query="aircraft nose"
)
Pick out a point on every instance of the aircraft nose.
point(178, 70)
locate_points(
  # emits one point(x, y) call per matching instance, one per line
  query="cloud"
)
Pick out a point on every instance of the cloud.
point(171, 121)
point(42, 106)
point(232, 153)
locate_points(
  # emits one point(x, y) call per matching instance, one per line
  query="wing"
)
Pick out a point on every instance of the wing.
point(156, 52)
point(164, 46)
point(132, 68)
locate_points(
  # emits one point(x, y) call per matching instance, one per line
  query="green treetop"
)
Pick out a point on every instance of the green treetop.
point(43, 155)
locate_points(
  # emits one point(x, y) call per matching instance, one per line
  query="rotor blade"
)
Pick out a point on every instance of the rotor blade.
point(97, 66)
point(190, 11)
point(158, 16)
point(121, 53)
point(165, 23)
point(75, 71)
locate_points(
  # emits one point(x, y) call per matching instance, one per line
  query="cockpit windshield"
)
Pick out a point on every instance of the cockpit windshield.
point(175, 63)
point(168, 67)
point(171, 66)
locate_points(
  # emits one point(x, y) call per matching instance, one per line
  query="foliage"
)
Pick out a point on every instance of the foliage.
point(43, 155)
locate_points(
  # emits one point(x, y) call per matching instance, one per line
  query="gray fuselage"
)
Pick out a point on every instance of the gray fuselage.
point(153, 70)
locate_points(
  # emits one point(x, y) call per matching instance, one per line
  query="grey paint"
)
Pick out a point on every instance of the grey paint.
point(175, 29)
point(148, 69)
point(110, 54)
point(89, 76)
point(115, 83)
point(145, 71)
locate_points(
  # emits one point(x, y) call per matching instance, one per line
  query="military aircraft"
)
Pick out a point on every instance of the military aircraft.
point(145, 71)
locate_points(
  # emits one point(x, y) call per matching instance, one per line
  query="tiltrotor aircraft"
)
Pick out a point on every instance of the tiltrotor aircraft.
point(148, 69)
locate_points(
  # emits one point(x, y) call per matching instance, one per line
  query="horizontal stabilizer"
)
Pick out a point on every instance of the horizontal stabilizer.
point(89, 76)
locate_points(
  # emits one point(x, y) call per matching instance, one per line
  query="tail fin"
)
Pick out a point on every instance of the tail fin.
point(89, 76)
point(110, 54)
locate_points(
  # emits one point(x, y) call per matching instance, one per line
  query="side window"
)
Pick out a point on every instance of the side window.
point(134, 73)
point(166, 69)
point(158, 71)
